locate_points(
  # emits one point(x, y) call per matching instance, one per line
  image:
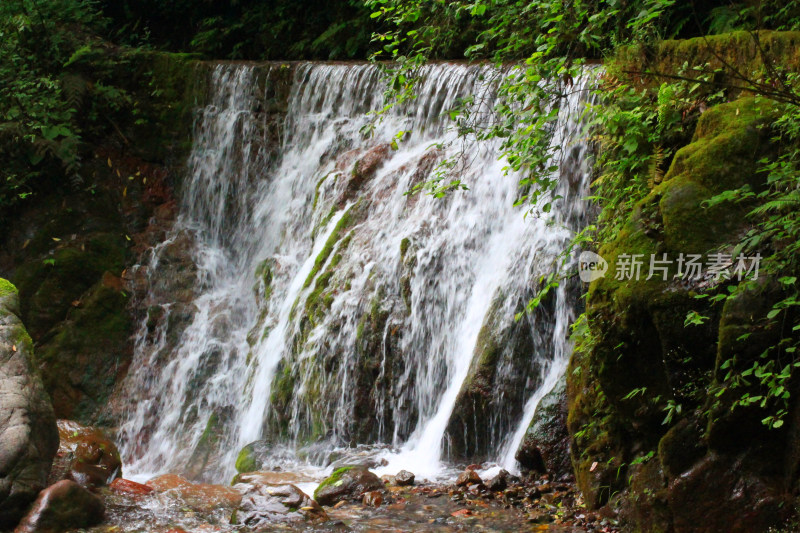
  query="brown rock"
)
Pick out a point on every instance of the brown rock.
point(372, 499)
point(366, 167)
point(347, 483)
point(85, 455)
point(404, 478)
point(61, 507)
point(197, 496)
point(468, 477)
point(126, 486)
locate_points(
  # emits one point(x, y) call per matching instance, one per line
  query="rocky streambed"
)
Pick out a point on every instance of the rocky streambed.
point(88, 491)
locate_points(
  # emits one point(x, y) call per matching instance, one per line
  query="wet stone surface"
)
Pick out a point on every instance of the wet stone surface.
point(528, 504)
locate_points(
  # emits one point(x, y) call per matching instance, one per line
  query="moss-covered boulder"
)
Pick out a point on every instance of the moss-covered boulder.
point(250, 457)
point(28, 433)
point(652, 428)
point(346, 483)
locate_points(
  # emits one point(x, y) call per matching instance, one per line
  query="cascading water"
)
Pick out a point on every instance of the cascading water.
point(322, 306)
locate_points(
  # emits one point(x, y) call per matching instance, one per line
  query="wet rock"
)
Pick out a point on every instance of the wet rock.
point(85, 354)
point(404, 478)
point(85, 455)
point(498, 482)
point(546, 446)
point(131, 488)
point(249, 458)
point(271, 478)
point(207, 448)
point(372, 499)
point(468, 477)
point(721, 494)
point(489, 392)
point(365, 167)
point(62, 507)
point(347, 483)
point(263, 504)
point(28, 433)
point(197, 496)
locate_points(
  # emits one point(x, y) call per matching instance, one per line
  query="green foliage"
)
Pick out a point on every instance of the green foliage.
point(246, 29)
point(775, 237)
point(47, 105)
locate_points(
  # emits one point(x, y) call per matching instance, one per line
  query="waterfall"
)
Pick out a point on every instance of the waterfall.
point(303, 299)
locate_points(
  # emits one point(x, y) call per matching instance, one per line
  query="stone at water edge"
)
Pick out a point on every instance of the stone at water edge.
point(404, 478)
point(546, 446)
point(263, 504)
point(85, 455)
point(372, 498)
point(248, 459)
point(197, 496)
point(468, 477)
point(499, 482)
point(28, 433)
point(131, 488)
point(62, 507)
point(347, 483)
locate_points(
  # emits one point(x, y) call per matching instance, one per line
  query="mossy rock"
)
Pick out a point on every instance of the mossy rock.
point(207, 448)
point(346, 483)
point(489, 393)
point(637, 356)
point(250, 457)
point(84, 356)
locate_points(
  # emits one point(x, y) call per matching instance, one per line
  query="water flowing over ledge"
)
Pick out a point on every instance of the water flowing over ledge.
point(305, 301)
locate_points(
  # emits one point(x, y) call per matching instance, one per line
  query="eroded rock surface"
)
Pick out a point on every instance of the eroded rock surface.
point(28, 434)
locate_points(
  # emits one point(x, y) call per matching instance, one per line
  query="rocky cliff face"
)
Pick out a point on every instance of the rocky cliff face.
point(68, 251)
point(28, 433)
point(655, 429)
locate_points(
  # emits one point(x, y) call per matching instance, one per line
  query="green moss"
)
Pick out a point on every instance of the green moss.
point(333, 479)
point(319, 185)
point(404, 245)
point(322, 257)
point(246, 460)
point(6, 288)
point(85, 352)
point(735, 48)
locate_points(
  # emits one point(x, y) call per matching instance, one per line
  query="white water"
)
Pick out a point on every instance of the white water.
point(242, 207)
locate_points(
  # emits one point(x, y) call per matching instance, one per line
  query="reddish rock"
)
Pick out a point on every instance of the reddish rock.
point(468, 477)
point(366, 167)
point(85, 455)
point(126, 486)
point(61, 507)
point(372, 499)
point(196, 496)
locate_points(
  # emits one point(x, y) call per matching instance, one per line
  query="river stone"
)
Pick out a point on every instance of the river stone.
point(347, 483)
point(263, 503)
point(404, 478)
point(62, 507)
point(85, 455)
point(546, 446)
point(28, 434)
point(201, 497)
point(468, 477)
